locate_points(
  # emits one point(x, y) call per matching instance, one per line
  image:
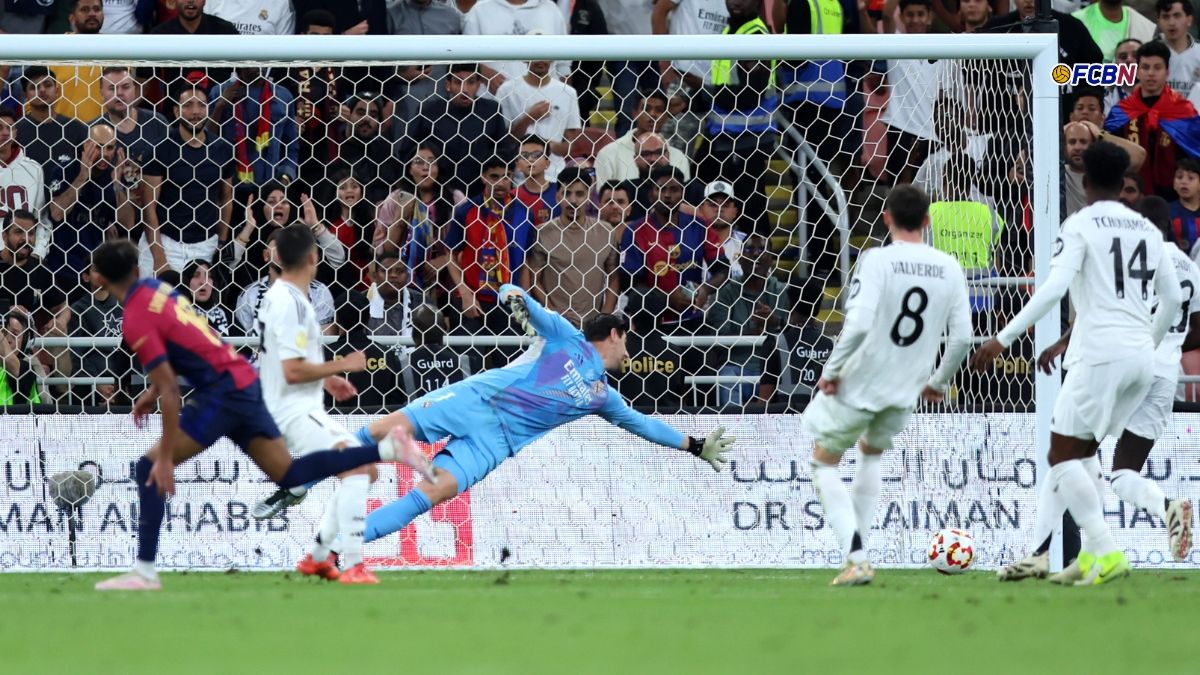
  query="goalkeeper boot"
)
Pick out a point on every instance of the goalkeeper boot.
point(1071, 573)
point(854, 574)
point(1033, 566)
point(130, 581)
point(1179, 528)
point(399, 446)
point(359, 574)
point(318, 568)
point(1103, 569)
point(280, 500)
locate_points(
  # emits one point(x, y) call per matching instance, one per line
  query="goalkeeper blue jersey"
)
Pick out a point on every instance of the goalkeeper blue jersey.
point(559, 379)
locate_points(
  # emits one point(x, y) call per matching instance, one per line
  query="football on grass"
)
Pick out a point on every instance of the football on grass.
point(952, 551)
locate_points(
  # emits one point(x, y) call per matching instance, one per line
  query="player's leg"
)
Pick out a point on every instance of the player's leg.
point(835, 427)
point(1146, 424)
point(867, 483)
point(151, 507)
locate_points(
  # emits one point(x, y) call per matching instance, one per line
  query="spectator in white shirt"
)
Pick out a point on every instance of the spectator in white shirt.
point(1175, 20)
point(120, 18)
point(540, 105)
point(514, 17)
point(688, 17)
point(256, 17)
point(619, 160)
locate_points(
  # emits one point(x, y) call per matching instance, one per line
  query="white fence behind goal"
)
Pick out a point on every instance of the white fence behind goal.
point(357, 125)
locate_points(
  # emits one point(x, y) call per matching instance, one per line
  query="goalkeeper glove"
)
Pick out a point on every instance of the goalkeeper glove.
point(520, 313)
point(713, 448)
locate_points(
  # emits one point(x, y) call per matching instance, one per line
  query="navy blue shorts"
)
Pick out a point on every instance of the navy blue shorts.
point(237, 414)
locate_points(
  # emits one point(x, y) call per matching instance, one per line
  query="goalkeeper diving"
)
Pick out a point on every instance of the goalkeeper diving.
point(492, 415)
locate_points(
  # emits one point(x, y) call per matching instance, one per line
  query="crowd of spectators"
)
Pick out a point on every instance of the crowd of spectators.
point(623, 186)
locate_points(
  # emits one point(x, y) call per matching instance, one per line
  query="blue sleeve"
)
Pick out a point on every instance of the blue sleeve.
point(617, 411)
point(549, 325)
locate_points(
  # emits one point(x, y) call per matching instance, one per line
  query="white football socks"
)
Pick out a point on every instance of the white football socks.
point(352, 517)
point(1049, 512)
point(865, 493)
point(1077, 491)
point(327, 530)
point(145, 569)
point(839, 509)
point(1096, 473)
point(1140, 491)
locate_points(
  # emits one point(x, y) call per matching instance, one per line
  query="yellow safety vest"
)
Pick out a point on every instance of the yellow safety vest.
point(722, 69)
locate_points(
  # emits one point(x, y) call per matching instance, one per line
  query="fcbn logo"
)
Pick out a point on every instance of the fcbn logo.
point(1095, 74)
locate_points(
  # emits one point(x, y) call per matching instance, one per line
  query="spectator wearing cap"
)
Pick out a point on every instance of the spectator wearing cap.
point(664, 255)
point(621, 159)
point(470, 128)
point(573, 259)
point(258, 118)
point(756, 304)
point(721, 211)
point(538, 103)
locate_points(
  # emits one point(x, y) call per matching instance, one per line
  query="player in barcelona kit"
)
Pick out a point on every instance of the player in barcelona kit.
point(169, 339)
point(491, 416)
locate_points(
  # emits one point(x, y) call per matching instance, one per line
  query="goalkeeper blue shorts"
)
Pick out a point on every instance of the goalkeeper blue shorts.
point(477, 444)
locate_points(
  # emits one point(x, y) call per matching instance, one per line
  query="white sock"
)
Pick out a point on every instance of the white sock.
point(1096, 473)
point(146, 569)
point(1139, 491)
point(298, 491)
point(1049, 512)
point(839, 509)
point(1076, 491)
point(865, 493)
point(328, 529)
point(352, 517)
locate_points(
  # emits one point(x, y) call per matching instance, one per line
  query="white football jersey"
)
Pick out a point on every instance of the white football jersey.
point(289, 329)
point(23, 186)
point(1115, 254)
point(906, 297)
point(1170, 350)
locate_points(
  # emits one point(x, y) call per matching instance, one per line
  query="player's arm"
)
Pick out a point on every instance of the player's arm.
point(300, 370)
point(865, 290)
point(163, 380)
point(711, 449)
point(289, 328)
point(1045, 361)
point(958, 342)
point(1166, 286)
point(530, 315)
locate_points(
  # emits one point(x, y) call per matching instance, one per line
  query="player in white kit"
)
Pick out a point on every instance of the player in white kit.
point(1117, 268)
point(1146, 424)
point(903, 298)
point(294, 373)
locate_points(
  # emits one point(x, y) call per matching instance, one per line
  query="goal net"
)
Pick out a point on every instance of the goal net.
point(719, 203)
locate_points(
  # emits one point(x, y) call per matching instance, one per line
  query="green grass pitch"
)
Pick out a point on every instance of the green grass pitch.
point(636, 621)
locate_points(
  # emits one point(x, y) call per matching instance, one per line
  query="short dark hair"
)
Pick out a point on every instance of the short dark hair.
point(34, 74)
point(426, 327)
point(108, 70)
point(1188, 164)
point(1088, 92)
point(1154, 48)
point(600, 326)
point(927, 4)
point(1164, 6)
point(574, 174)
point(116, 260)
point(1104, 166)
point(532, 139)
point(184, 88)
point(23, 214)
point(491, 163)
point(656, 94)
point(8, 113)
point(908, 205)
point(469, 67)
point(667, 171)
point(293, 244)
point(1136, 177)
point(1156, 210)
point(623, 185)
point(316, 17)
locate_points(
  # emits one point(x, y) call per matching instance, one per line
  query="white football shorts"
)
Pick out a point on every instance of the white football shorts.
point(314, 431)
point(1097, 400)
point(1150, 418)
point(837, 427)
